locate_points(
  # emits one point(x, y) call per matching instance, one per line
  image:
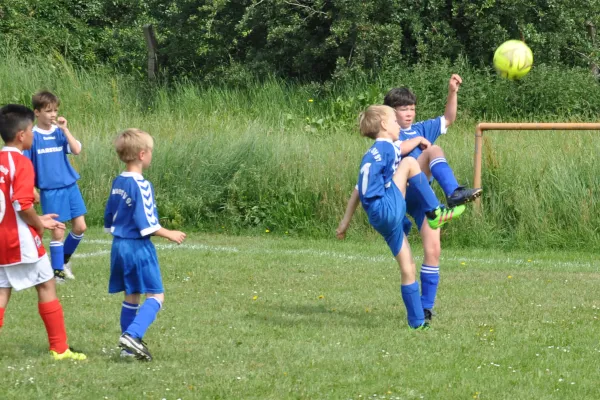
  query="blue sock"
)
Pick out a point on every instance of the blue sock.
point(430, 277)
point(442, 173)
point(128, 313)
point(71, 244)
point(57, 255)
point(144, 318)
point(412, 301)
point(424, 191)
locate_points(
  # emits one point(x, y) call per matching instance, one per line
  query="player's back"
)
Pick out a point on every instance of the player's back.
point(130, 211)
point(19, 243)
point(377, 169)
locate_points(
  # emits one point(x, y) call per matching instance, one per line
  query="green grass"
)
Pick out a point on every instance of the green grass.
point(268, 317)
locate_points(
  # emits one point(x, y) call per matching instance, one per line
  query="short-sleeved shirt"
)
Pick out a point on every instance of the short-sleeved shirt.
point(131, 212)
point(430, 130)
point(19, 242)
point(49, 157)
point(377, 169)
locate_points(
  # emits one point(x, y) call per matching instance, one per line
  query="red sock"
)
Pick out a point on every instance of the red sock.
point(52, 315)
point(2, 316)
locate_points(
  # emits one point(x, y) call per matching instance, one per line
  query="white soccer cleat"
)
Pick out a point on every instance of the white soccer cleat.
point(68, 271)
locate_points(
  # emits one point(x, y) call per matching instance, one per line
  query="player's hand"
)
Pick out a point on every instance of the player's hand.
point(455, 82)
point(36, 197)
point(49, 221)
point(425, 144)
point(61, 122)
point(340, 232)
point(176, 236)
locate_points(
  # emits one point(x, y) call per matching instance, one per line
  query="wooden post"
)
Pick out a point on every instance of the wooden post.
point(152, 50)
point(592, 34)
point(482, 127)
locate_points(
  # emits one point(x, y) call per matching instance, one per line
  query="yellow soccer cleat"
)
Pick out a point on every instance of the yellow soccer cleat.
point(69, 354)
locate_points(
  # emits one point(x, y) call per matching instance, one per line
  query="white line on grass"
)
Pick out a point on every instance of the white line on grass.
point(349, 257)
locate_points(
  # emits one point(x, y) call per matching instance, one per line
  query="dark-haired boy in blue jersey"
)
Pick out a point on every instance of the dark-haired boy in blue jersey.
point(131, 217)
point(382, 183)
point(57, 180)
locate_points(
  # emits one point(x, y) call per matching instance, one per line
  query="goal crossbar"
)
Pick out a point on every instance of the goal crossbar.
point(486, 126)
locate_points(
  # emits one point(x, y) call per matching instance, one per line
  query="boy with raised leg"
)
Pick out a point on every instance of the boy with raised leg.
point(382, 183)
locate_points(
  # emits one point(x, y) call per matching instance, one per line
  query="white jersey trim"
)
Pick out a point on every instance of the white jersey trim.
point(443, 125)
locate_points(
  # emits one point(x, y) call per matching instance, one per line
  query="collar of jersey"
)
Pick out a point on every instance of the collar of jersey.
point(44, 131)
point(408, 131)
point(384, 140)
point(8, 148)
point(132, 175)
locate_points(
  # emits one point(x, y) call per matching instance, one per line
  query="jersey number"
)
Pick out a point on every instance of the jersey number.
point(365, 180)
point(2, 205)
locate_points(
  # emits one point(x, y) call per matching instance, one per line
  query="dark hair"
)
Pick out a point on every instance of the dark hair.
point(399, 97)
point(42, 99)
point(13, 119)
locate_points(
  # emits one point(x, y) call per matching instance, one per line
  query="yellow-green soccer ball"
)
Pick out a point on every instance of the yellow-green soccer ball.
point(513, 59)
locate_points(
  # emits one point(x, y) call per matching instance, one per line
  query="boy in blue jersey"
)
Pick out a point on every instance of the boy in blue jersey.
point(131, 217)
point(57, 180)
point(382, 184)
point(433, 163)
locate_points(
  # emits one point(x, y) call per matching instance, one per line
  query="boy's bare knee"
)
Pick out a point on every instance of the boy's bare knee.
point(79, 226)
point(158, 296)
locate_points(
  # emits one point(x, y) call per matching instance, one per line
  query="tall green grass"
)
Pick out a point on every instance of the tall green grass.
point(284, 157)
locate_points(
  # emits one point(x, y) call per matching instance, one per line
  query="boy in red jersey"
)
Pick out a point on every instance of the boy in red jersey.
point(23, 259)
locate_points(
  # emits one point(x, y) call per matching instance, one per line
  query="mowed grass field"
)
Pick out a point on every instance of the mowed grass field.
point(287, 318)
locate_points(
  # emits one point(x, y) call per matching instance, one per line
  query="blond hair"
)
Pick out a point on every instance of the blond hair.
point(131, 142)
point(369, 121)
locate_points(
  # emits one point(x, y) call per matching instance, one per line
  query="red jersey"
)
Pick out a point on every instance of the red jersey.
point(19, 242)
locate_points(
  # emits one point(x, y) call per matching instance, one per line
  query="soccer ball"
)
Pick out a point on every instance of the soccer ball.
point(513, 59)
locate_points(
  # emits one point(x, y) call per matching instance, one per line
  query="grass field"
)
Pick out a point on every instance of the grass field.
point(286, 318)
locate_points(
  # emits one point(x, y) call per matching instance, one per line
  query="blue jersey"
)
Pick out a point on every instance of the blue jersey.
point(430, 130)
point(130, 211)
point(49, 157)
point(376, 171)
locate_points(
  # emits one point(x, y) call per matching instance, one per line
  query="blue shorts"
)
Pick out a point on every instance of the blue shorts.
point(386, 216)
point(67, 202)
point(134, 267)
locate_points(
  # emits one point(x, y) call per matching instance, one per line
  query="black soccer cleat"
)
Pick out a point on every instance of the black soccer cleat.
point(429, 314)
point(59, 276)
point(463, 195)
point(136, 346)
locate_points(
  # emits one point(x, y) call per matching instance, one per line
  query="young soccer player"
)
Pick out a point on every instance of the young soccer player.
point(57, 180)
point(382, 183)
point(23, 260)
point(432, 162)
point(131, 217)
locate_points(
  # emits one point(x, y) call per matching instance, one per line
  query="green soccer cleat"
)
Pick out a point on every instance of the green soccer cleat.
point(69, 354)
point(442, 215)
point(424, 327)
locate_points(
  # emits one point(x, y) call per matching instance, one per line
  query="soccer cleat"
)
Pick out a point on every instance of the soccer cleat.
point(429, 314)
point(442, 215)
point(59, 276)
point(68, 271)
point(424, 327)
point(463, 195)
point(69, 354)
point(136, 346)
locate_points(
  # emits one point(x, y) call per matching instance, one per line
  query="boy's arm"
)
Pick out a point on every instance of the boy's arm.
point(452, 101)
point(353, 202)
point(409, 145)
point(173, 236)
point(74, 145)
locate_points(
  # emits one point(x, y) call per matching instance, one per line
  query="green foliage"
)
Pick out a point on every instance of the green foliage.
point(284, 157)
point(230, 41)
